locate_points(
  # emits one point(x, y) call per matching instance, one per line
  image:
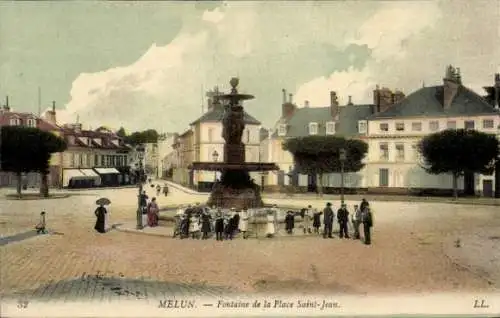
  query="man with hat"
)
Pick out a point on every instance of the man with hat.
point(219, 225)
point(328, 217)
point(343, 219)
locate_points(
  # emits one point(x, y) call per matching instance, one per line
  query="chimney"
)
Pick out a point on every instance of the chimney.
point(290, 98)
point(458, 76)
point(334, 104)
point(376, 99)
point(287, 108)
point(6, 107)
point(497, 90)
point(284, 95)
point(50, 115)
point(450, 86)
point(350, 100)
point(306, 104)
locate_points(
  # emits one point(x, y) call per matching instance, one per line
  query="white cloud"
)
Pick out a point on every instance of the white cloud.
point(274, 45)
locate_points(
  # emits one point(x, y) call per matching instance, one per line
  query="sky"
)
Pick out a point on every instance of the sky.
point(145, 65)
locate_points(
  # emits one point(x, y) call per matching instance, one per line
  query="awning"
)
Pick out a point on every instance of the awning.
point(90, 174)
point(107, 171)
point(75, 174)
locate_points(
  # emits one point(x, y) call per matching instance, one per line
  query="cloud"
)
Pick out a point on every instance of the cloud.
point(308, 48)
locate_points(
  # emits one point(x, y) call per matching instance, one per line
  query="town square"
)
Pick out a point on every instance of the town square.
point(155, 151)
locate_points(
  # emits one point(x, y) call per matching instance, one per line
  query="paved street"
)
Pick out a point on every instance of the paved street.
point(408, 254)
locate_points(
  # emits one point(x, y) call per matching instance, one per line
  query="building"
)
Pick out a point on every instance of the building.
point(166, 154)
point(204, 139)
point(9, 117)
point(151, 159)
point(295, 122)
point(392, 127)
point(94, 158)
point(394, 132)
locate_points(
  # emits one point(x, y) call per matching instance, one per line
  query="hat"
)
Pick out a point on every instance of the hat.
point(328, 204)
point(309, 206)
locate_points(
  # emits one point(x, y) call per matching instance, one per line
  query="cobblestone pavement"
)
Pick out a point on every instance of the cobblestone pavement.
point(51, 265)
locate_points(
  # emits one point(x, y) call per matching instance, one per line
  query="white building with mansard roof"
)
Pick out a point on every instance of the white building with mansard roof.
point(393, 134)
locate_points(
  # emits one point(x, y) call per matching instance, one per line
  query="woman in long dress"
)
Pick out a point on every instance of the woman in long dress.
point(153, 211)
point(244, 223)
point(270, 229)
point(100, 224)
point(194, 226)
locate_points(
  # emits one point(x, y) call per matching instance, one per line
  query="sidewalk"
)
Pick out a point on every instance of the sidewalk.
point(182, 188)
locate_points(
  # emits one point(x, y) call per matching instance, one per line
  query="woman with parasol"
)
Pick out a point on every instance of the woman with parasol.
point(100, 213)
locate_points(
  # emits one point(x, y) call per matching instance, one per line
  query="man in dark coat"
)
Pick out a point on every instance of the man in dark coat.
point(363, 204)
point(206, 219)
point(234, 223)
point(289, 222)
point(328, 217)
point(343, 218)
point(367, 218)
point(219, 225)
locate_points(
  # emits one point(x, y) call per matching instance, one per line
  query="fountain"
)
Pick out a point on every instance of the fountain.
point(235, 187)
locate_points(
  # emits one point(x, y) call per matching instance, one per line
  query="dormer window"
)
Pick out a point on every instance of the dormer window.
point(31, 122)
point(330, 128)
point(282, 130)
point(313, 128)
point(362, 126)
point(15, 121)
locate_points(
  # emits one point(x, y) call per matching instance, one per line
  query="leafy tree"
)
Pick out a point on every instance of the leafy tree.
point(121, 132)
point(26, 149)
point(321, 154)
point(142, 137)
point(458, 152)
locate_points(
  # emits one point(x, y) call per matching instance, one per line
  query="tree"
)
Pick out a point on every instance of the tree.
point(142, 137)
point(26, 149)
point(458, 152)
point(320, 154)
point(121, 132)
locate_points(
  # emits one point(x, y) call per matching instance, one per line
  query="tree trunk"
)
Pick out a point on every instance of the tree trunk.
point(319, 184)
point(455, 186)
point(19, 178)
point(44, 186)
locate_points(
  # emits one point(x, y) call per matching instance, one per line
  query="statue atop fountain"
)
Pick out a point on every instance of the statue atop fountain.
point(235, 187)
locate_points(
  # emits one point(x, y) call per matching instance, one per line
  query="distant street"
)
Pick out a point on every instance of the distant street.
point(413, 251)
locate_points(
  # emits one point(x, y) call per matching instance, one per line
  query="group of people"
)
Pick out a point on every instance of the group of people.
point(362, 215)
point(150, 210)
point(200, 222)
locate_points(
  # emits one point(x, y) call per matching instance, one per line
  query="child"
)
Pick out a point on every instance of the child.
point(316, 221)
point(194, 227)
point(40, 227)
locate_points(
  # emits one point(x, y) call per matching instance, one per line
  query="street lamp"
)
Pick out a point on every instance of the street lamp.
point(342, 158)
point(140, 154)
point(215, 157)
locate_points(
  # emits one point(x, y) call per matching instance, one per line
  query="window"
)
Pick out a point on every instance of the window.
point(362, 127)
point(75, 160)
point(15, 121)
point(32, 123)
point(72, 160)
point(282, 130)
point(103, 163)
point(119, 161)
point(469, 124)
point(416, 126)
point(248, 136)
point(313, 128)
point(82, 160)
point(400, 152)
point(414, 148)
point(488, 123)
point(384, 151)
point(451, 124)
point(384, 127)
point(96, 160)
point(330, 128)
point(434, 125)
point(400, 126)
point(383, 177)
point(210, 134)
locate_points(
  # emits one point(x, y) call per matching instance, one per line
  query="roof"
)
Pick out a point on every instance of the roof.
point(42, 124)
point(216, 114)
point(428, 101)
point(347, 123)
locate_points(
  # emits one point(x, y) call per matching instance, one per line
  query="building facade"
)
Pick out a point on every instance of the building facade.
point(166, 154)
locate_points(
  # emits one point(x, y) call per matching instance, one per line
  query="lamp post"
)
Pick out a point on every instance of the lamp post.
point(140, 155)
point(215, 157)
point(342, 158)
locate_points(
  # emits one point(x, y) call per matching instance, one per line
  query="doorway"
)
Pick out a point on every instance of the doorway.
point(312, 181)
point(488, 188)
point(383, 177)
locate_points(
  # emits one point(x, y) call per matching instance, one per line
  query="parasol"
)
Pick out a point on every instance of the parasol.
point(103, 201)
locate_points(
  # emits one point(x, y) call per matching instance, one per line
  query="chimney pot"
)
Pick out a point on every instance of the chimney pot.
point(290, 98)
point(54, 106)
point(350, 100)
point(284, 95)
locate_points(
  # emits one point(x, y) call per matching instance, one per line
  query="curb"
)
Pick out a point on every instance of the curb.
point(15, 197)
